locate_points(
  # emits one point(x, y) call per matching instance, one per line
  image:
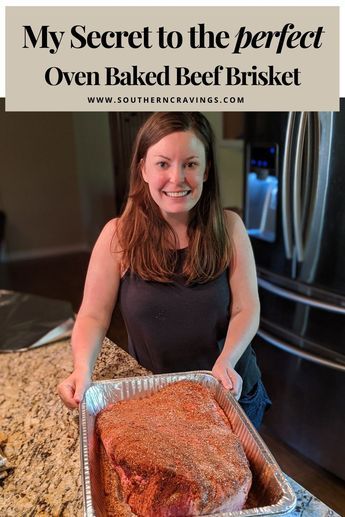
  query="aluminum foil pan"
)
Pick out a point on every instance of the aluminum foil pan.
point(270, 494)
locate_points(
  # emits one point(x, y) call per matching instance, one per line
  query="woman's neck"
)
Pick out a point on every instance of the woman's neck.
point(179, 223)
point(182, 237)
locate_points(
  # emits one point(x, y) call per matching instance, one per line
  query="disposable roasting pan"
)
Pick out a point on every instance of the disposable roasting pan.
point(270, 494)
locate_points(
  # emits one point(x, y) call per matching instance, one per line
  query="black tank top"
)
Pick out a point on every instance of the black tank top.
point(175, 327)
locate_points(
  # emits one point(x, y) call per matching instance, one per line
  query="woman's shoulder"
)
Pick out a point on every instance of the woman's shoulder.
point(109, 230)
point(111, 225)
point(233, 221)
point(109, 236)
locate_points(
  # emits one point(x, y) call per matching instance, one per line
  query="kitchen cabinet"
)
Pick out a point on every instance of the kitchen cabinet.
point(233, 125)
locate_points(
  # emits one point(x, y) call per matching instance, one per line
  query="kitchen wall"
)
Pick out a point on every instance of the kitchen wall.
point(230, 163)
point(56, 182)
point(95, 172)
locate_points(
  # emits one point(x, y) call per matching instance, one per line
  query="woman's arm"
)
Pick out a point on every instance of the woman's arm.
point(100, 294)
point(245, 308)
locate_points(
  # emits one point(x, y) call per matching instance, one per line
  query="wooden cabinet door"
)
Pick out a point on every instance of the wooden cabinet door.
point(124, 127)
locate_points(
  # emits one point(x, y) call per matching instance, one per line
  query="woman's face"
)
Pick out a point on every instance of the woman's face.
point(175, 170)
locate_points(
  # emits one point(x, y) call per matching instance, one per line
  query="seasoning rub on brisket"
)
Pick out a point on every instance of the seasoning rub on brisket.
point(175, 453)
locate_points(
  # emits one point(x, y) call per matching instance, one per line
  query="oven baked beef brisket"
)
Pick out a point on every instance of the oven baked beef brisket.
point(175, 453)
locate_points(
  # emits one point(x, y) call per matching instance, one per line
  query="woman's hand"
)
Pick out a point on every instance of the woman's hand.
point(72, 389)
point(224, 372)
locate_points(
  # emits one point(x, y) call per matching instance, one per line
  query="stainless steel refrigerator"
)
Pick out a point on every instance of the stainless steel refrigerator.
point(294, 211)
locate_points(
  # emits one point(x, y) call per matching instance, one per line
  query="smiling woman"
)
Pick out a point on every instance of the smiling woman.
point(180, 267)
point(174, 202)
point(175, 170)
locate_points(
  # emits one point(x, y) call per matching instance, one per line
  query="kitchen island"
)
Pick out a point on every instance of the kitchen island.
point(41, 436)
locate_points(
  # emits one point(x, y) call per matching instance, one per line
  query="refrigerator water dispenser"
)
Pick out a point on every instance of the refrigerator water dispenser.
point(262, 191)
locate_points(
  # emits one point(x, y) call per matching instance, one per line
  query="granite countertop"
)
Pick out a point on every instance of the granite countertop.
point(41, 436)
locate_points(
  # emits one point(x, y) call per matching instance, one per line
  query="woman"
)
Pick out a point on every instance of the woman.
point(180, 266)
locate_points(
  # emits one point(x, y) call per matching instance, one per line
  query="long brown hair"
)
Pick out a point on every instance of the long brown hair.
point(146, 239)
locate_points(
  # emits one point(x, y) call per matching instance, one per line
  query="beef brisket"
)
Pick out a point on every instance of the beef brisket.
point(175, 453)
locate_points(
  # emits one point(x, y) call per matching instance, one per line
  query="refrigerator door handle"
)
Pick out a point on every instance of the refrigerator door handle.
point(286, 178)
point(313, 139)
point(278, 343)
point(297, 182)
point(306, 300)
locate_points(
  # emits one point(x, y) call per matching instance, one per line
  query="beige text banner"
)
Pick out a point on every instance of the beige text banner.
point(172, 58)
